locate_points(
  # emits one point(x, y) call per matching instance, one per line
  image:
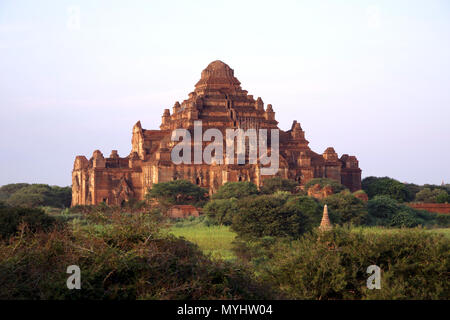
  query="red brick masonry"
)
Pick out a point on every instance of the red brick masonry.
point(183, 211)
point(432, 207)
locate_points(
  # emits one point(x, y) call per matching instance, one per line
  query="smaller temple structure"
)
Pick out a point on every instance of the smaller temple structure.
point(325, 224)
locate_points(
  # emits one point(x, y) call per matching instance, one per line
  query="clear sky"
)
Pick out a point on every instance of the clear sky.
point(370, 78)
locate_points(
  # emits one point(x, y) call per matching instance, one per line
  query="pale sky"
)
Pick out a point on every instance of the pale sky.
point(370, 78)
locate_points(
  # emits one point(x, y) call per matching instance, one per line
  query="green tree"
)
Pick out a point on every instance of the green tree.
point(333, 265)
point(344, 207)
point(7, 190)
point(236, 190)
point(177, 192)
point(35, 195)
point(308, 208)
point(127, 258)
point(268, 215)
point(11, 218)
point(381, 209)
point(385, 211)
point(221, 211)
point(432, 195)
point(275, 184)
point(375, 186)
point(404, 219)
point(443, 197)
point(413, 189)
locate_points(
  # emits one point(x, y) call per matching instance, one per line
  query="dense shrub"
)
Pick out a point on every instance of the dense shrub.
point(414, 264)
point(381, 209)
point(336, 186)
point(344, 207)
point(134, 204)
point(275, 184)
point(443, 197)
point(443, 220)
point(385, 211)
point(33, 195)
point(375, 186)
point(306, 207)
point(432, 195)
point(178, 192)
point(11, 218)
point(221, 211)
point(7, 190)
point(405, 219)
point(268, 215)
point(125, 257)
point(236, 190)
point(412, 189)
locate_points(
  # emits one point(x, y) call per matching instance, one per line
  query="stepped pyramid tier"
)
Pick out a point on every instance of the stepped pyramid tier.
point(219, 102)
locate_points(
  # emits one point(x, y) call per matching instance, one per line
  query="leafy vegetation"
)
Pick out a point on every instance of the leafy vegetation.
point(236, 190)
point(178, 192)
point(385, 211)
point(375, 186)
point(275, 184)
point(333, 265)
point(432, 196)
point(34, 195)
point(269, 215)
point(122, 256)
point(221, 211)
point(11, 220)
point(8, 189)
point(248, 245)
point(344, 207)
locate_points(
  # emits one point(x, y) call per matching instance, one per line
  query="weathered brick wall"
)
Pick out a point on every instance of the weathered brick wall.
point(182, 211)
point(432, 207)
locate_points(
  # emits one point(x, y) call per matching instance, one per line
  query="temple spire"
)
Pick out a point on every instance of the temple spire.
point(218, 76)
point(325, 224)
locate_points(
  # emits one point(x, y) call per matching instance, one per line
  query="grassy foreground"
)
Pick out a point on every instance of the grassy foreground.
point(217, 240)
point(213, 240)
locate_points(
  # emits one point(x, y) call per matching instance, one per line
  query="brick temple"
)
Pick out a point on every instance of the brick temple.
point(219, 102)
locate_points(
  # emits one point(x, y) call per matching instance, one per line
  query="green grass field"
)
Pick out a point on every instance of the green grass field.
point(213, 240)
point(444, 231)
point(217, 240)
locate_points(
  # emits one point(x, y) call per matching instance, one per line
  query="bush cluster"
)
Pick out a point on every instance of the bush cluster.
point(177, 192)
point(385, 211)
point(12, 218)
point(414, 264)
point(285, 214)
point(33, 195)
point(121, 256)
point(375, 186)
